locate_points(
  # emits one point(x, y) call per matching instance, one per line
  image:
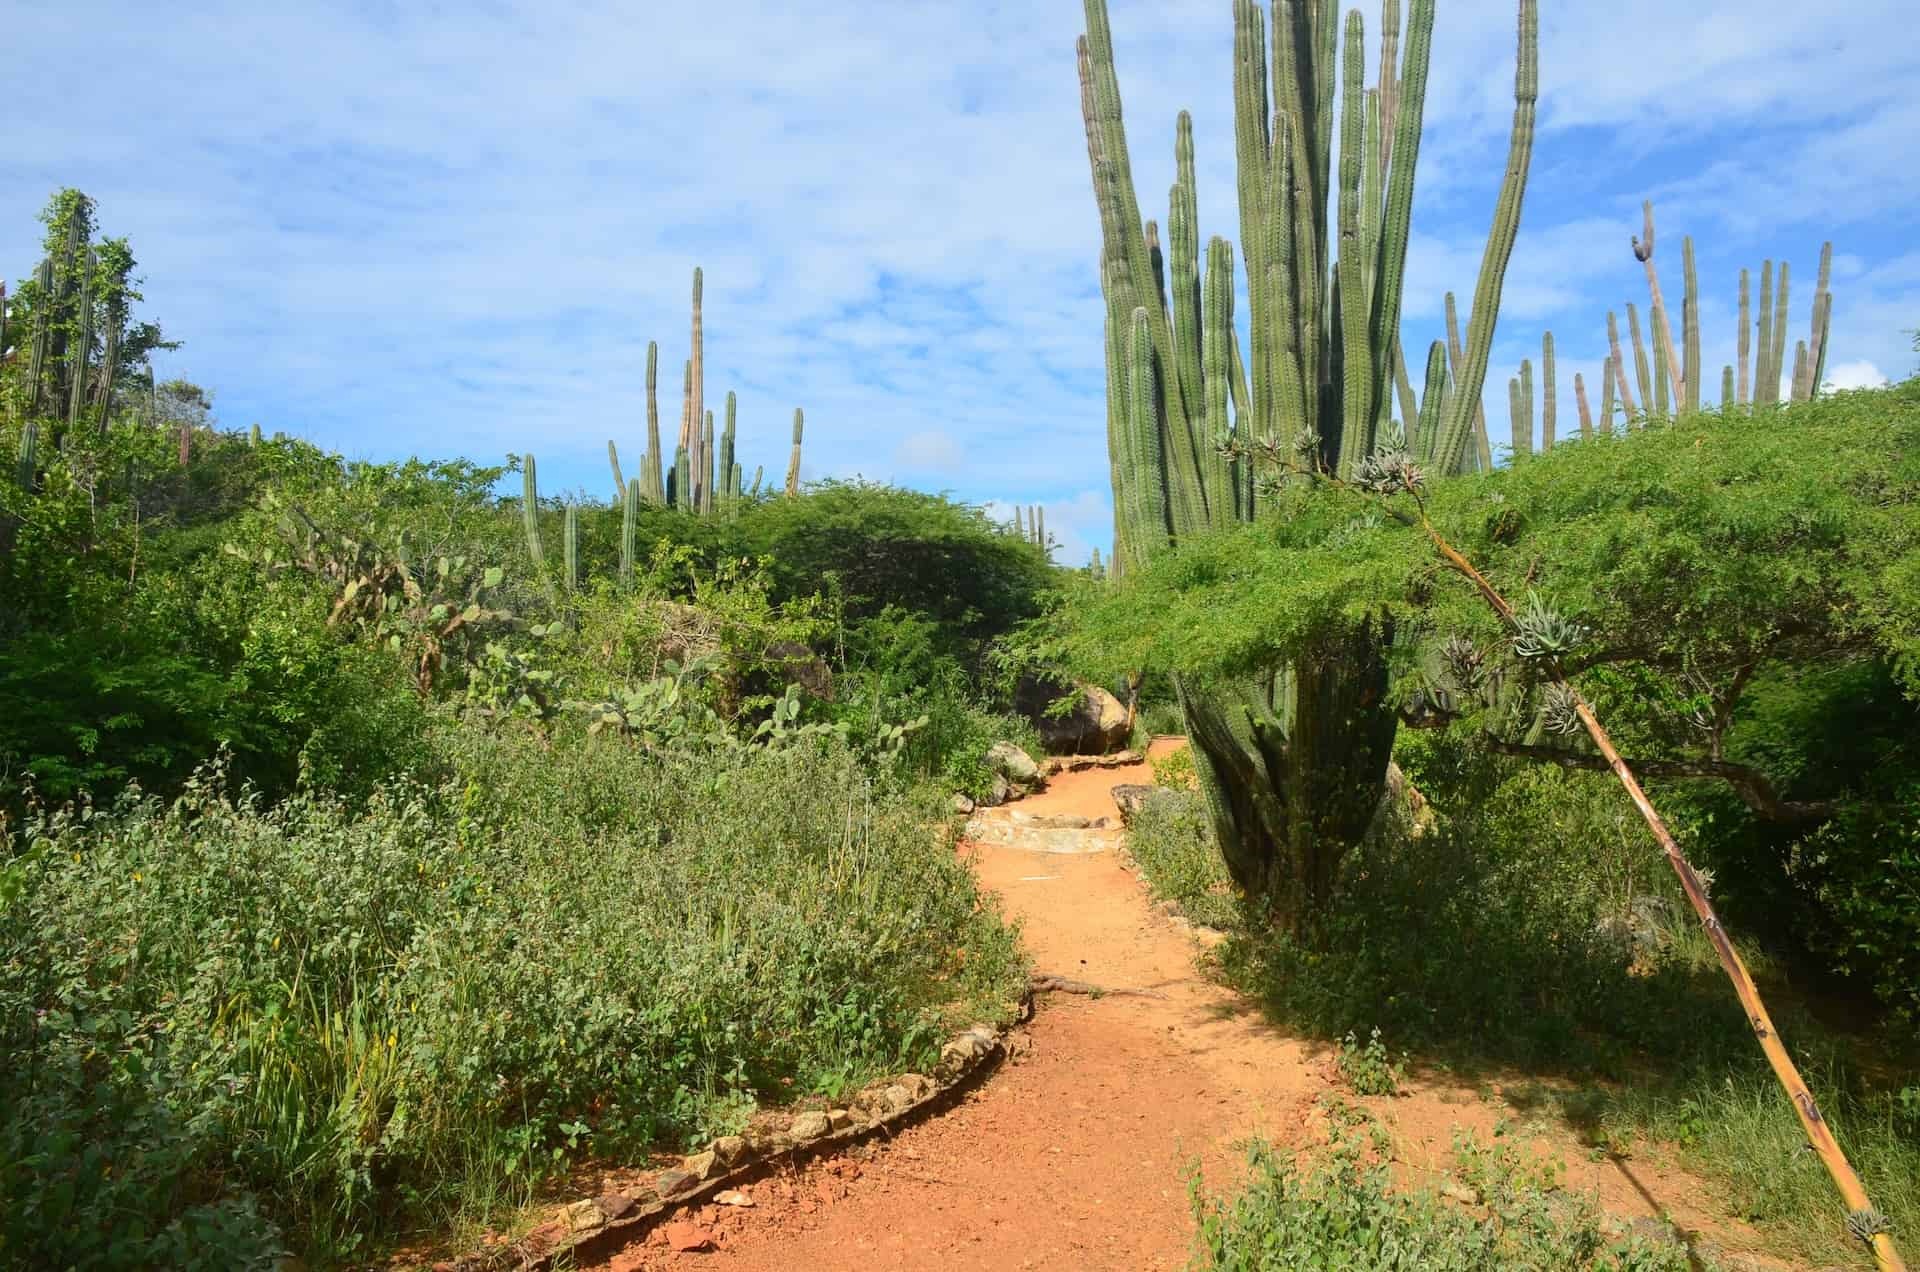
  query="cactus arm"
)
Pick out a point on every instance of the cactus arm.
point(1427, 433)
point(81, 347)
point(613, 460)
point(1618, 362)
point(1356, 349)
point(1408, 107)
point(729, 441)
point(1147, 463)
point(1580, 402)
point(1403, 387)
point(680, 494)
point(1217, 324)
point(1610, 378)
point(1802, 368)
point(1471, 379)
point(1183, 228)
point(759, 471)
point(704, 476)
point(1157, 258)
point(1522, 433)
point(1455, 353)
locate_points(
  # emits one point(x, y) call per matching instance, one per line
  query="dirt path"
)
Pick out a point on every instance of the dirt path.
point(1075, 1154)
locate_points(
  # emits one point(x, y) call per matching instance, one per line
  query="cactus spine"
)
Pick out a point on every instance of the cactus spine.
point(1322, 367)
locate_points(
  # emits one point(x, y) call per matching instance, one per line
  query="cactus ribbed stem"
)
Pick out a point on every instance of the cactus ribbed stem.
point(1662, 359)
point(1662, 332)
point(701, 452)
point(37, 359)
point(1427, 435)
point(1745, 339)
point(613, 461)
point(1580, 401)
point(680, 493)
point(1777, 360)
point(629, 528)
point(530, 516)
point(793, 461)
point(570, 547)
point(28, 462)
point(1642, 365)
point(1549, 405)
point(1610, 380)
point(1726, 386)
point(654, 485)
point(1482, 444)
point(1822, 321)
point(1618, 380)
point(1522, 437)
point(1470, 379)
point(1763, 347)
point(1690, 370)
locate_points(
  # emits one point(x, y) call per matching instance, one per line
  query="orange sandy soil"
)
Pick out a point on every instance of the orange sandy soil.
point(1075, 1154)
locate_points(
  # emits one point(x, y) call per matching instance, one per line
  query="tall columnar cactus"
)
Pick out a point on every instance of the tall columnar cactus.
point(1662, 332)
point(42, 337)
point(701, 443)
point(793, 461)
point(1777, 360)
point(729, 483)
point(1610, 382)
point(613, 460)
point(1726, 386)
point(1662, 357)
point(1293, 765)
point(81, 346)
point(1481, 458)
point(530, 515)
point(629, 527)
point(1763, 344)
point(1617, 383)
point(1822, 321)
point(570, 547)
point(1745, 338)
point(1642, 365)
point(1585, 408)
point(28, 462)
point(654, 485)
point(1691, 369)
point(1549, 393)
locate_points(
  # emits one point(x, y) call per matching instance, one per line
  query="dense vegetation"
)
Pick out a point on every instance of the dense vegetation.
point(356, 876)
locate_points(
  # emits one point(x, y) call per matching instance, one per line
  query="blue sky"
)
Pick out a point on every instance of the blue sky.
point(452, 229)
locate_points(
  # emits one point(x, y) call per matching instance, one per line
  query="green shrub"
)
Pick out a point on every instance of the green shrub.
point(358, 1016)
point(1171, 836)
point(1370, 1069)
point(1341, 1210)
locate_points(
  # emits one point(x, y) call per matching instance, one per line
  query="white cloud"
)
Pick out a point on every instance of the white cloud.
point(1855, 375)
point(394, 233)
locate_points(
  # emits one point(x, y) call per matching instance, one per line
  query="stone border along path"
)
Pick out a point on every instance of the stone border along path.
point(1078, 1152)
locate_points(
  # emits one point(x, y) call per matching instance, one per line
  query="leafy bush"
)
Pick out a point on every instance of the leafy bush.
point(1171, 836)
point(351, 1016)
point(1342, 1210)
point(1370, 1069)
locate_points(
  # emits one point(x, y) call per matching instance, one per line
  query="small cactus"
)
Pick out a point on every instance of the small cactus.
point(530, 515)
point(1549, 406)
point(570, 547)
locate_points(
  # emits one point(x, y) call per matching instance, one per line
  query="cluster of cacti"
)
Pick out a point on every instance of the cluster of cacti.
point(1030, 525)
point(702, 478)
point(1669, 380)
point(1293, 765)
point(76, 308)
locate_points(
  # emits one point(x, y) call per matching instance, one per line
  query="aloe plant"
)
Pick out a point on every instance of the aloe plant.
point(1293, 765)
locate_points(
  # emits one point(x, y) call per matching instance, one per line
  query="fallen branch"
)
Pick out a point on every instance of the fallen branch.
point(1047, 982)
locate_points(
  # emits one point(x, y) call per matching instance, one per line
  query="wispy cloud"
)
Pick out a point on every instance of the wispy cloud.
point(395, 231)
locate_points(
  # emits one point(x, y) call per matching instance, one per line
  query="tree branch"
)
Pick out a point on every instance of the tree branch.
point(1753, 786)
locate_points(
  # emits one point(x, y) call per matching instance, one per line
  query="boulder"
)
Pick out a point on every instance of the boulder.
point(1131, 797)
point(961, 804)
point(1014, 764)
point(1097, 724)
point(809, 1126)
